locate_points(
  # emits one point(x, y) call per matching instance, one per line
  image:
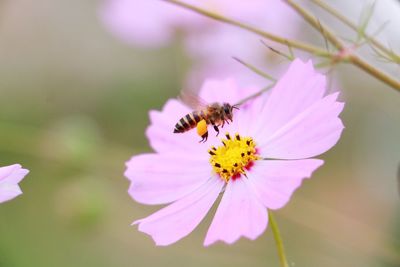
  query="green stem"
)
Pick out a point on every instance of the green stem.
point(343, 55)
point(278, 240)
point(353, 26)
point(255, 69)
point(348, 55)
point(327, 33)
point(244, 100)
point(291, 43)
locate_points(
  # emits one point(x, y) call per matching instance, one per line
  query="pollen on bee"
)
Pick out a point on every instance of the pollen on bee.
point(201, 127)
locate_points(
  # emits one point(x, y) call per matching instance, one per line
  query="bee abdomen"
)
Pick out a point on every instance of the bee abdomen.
point(187, 122)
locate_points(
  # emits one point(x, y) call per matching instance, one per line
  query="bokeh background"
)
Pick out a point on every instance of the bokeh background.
point(74, 105)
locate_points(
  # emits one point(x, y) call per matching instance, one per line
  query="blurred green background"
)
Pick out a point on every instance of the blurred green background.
point(74, 106)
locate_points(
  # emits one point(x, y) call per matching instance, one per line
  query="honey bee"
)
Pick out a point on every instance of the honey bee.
point(215, 114)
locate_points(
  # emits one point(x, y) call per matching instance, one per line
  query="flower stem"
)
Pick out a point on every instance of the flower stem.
point(278, 240)
point(255, 69)
point(244, 100)
point(344, 54)
point(353, 26)
point(291, 43)
point(349, 56)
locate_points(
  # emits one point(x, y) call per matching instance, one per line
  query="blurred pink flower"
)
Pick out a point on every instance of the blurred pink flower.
point(155, 22)
point(211, 44)
point(10, 176)
point(260, 162)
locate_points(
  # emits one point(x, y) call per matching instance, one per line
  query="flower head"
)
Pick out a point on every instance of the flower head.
point(10, 176)
point(259, 162)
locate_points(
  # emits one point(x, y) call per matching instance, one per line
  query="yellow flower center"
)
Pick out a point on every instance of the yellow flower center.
point(233, 157)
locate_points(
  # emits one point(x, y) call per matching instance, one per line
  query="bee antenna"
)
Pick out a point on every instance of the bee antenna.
point(235, 107)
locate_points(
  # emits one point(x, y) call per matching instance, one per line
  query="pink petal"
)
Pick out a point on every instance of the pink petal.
point(177, 220)
point(240, 213)
point(10, 176)
point(161, 178)
point(297, 90)
point(274, 181)
point(308, 134)
point(247, 120)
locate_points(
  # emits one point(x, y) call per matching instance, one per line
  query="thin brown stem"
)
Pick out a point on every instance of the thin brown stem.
point(291, 43)
point(345, 54)
point(257, 94)
point(313, 21)
point(255, 69)
point(353, 26)
point(364, 65)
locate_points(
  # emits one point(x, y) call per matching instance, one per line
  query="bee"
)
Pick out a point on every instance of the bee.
point(215, 114)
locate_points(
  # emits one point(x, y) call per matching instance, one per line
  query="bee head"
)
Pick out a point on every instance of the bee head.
point(228, 110)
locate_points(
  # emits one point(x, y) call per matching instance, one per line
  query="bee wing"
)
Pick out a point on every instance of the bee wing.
point(192, 100)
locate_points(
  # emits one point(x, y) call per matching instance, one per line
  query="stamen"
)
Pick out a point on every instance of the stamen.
point(232, 159)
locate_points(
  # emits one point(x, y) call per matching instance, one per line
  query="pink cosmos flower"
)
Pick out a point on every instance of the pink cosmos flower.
point(10, 176)
point(263, 157)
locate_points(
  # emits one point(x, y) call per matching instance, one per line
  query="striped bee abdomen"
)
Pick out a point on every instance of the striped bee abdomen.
point(187, 122)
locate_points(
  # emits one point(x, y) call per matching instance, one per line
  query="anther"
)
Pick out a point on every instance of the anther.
point(234, 157)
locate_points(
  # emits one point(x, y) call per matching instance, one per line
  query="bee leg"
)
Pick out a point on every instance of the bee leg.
point(204, 137)
point(216, 129)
